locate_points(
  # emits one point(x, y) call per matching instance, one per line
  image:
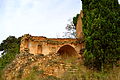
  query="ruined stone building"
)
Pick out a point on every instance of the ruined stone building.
point(63, 46)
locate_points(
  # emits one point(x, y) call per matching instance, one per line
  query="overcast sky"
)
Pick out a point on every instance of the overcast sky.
point(36, 17)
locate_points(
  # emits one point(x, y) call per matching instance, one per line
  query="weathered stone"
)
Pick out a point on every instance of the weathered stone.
point(46, 53)
point(79, 32)
point(42, 45)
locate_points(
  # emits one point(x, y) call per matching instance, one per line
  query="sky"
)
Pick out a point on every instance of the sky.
point(36, 17)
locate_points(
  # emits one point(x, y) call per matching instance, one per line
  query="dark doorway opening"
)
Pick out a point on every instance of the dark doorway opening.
point(67, 51)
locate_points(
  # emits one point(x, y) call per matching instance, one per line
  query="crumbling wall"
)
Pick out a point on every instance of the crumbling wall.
point(79, 32)
point(42, 45)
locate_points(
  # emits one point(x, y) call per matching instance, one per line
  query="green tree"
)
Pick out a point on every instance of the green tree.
point(101, 27)
point(10, 48)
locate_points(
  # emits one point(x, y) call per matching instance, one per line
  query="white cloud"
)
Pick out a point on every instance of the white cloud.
point(37, 17)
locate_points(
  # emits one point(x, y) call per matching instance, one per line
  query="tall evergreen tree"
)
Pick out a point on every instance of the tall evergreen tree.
point(101, 27)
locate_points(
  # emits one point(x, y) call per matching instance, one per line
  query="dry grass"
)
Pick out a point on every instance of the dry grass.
point(85, 74)
point(76, 71)
point(80, 72)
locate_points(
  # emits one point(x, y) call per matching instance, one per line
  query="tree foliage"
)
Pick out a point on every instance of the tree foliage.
point(71, 27)
point(10, 48)
point(101, 27)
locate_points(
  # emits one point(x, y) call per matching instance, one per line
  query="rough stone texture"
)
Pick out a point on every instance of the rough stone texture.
point(79, 33)
point(24, 63)
point(42, 45)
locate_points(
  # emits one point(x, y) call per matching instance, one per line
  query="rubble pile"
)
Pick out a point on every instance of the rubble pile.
point(24, 63)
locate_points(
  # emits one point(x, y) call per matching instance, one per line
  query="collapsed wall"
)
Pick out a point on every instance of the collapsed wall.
point(42, 45)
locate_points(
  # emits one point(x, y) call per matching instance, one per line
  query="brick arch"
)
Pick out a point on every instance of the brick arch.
point(66, 51)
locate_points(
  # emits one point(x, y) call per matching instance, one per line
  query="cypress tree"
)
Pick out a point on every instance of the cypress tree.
point(101, 28)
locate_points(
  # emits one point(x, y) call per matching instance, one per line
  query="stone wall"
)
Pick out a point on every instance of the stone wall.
point(79, 33)
point(42, 45)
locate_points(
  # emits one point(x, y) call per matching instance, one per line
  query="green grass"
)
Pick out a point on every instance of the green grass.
point(1, 72)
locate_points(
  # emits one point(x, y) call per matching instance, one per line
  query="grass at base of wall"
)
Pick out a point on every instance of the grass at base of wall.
point(1, 72)
point(86, 74)
point(79, 72)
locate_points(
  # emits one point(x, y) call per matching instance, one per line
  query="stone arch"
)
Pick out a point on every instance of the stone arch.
point(67, 51)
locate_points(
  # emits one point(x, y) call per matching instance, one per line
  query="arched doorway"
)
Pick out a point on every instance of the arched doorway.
point(67, 51)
